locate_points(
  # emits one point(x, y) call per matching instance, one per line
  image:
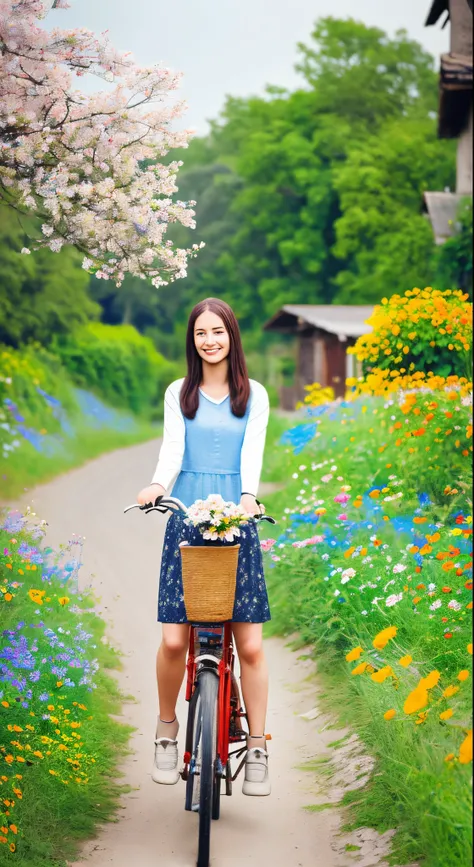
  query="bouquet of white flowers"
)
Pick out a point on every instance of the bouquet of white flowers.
point(216, 519)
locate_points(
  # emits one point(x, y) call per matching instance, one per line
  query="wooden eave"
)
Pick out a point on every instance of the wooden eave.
point(455, 94)
point(282, 321)
point(438, 7)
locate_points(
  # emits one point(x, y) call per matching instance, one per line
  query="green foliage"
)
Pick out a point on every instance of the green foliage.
point(47, 426)
point(453, 260)
point(23, 376)
point(315, 196)
point(117, 362)
point(41, 294)
point(360, 73)
point(381, 234)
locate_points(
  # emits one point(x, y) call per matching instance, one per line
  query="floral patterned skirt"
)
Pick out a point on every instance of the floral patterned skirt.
point(251, 600)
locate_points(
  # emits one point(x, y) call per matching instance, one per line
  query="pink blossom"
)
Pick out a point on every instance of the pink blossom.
point(342, 517)
point(267, 544)
point(342, 498)
point(303, 543)
point(393, 599)
point(89, 164)
point(347, 575)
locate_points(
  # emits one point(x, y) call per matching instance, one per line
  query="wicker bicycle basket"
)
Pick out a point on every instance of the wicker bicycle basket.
point(209, 578)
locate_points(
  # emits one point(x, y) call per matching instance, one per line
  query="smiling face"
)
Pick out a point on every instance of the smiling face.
point(211, 338)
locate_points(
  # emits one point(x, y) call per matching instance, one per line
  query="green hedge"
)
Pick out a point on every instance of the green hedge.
point(117, 362)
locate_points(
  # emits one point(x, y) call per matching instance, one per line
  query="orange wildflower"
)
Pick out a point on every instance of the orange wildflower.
point(447, 714)
point(416, 700)
point(382, 638)
point(354, 654)
point(390, 714)
point(465, 750)
point(381, 675)
point(430, 681)
point(359, 669)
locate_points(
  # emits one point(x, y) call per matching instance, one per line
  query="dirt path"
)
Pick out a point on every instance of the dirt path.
point(121, 560)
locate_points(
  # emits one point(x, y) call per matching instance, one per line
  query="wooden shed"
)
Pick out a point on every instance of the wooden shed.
point(323, 334)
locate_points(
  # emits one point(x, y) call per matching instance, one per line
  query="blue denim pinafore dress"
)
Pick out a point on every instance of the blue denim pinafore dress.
point(211, 465)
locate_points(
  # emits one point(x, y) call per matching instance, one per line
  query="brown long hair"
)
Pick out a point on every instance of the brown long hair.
point(239, 385)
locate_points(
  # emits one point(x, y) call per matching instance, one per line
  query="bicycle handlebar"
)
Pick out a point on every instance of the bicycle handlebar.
point(172, 504)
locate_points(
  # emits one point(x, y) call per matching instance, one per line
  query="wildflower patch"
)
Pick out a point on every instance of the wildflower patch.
point(56, 737)
point(385, 595)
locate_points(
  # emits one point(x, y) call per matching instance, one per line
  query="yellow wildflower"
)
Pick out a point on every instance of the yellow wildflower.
point(359, 669)
point(465, 750)
point(417, 700)
point(447, 714)
point(381, 675)
point(389, 714)
point(354, 654)
point(450, 691)
point(430, 681)
point(382, 638)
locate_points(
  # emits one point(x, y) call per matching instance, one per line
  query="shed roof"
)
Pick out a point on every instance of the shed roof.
point(348, 320)
point(442, 210)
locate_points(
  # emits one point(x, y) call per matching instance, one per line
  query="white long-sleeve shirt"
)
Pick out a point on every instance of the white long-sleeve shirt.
point(174, 434)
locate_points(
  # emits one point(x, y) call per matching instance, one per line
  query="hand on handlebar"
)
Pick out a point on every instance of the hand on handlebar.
point(149, 495)
point(172, 504)
point(251, 505)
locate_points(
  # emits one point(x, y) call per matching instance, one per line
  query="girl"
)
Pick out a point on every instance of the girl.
point(214, 436)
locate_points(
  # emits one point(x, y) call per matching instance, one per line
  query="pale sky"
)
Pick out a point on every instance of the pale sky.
point(234, 46)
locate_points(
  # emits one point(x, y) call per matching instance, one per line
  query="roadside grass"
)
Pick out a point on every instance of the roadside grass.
point(48, 425)
point(27, 467)
point(59, 744)
point(373, 539)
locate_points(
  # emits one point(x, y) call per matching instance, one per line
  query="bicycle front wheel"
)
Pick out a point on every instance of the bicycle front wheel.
point(201, 739)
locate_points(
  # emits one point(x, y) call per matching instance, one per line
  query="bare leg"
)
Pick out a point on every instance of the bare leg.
point(253, 665)
point(170, 669)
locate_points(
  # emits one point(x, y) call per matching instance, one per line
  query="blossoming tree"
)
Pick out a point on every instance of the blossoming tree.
point(88, 165)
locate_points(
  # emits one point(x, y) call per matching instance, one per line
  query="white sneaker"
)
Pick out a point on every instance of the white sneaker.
point(257, 781)
point(165, 766)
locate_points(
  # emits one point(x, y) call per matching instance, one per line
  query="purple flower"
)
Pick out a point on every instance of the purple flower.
point(13, 522)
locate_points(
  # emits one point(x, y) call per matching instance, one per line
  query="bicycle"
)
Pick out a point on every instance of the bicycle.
point(214, 730)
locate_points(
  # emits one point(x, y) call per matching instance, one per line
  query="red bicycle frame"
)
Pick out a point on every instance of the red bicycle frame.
point(226, 678)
